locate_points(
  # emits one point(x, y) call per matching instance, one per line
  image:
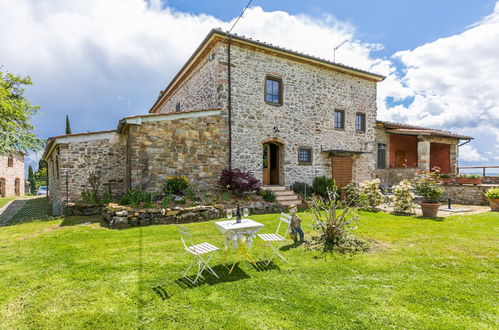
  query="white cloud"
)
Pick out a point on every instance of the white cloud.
point(107, 59)
point(469, 154)
point(102, 60)
point(454, 84)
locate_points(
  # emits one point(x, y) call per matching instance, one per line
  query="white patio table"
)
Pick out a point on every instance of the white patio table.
point(236, 233)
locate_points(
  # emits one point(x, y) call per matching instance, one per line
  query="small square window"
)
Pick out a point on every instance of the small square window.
point(177, 107)
point(339, 119)
point(360, 122)
point(305, 156)
point(273, 90)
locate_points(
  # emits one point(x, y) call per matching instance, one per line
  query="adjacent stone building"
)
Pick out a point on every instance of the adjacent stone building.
point(404, 149)
point(284, 116)
point(12, 175)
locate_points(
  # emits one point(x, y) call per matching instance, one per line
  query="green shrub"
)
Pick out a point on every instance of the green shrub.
point(469, 176)
point(321, 185)
point(191, 195)
point(89, 197)
point(135, 197)
point(176, 184)
point(302, 188)
point(427, 184)
point(226, 196)
point(444, 176)
point(492, 193)
point(167, 200)
point(403, 197)
point(370, 195)
point(352, 193)
point(268, 195)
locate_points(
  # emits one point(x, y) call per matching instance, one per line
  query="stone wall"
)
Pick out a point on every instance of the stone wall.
point(74, 160)
point(393, 176)
point(202, 86)
point(305, 119)
point(9, 174)
point(192, 146)
point(122, 217)
point(466, 194)
point(491, 179)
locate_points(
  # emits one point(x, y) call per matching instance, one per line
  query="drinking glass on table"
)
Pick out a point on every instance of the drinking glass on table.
point(229, 213)
point(245, 212)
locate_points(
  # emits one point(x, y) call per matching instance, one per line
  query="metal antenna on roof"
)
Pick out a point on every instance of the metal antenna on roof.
point(335, 48)
point(242, 13)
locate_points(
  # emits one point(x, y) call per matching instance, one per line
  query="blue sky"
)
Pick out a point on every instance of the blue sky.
point(99, 61)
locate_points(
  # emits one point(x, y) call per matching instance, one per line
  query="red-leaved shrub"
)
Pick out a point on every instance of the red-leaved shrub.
point(238, 181)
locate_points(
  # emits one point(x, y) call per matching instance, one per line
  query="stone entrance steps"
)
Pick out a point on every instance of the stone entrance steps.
point(283, 195)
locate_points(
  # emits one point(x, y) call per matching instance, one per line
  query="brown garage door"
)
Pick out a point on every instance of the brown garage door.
point(342, 170)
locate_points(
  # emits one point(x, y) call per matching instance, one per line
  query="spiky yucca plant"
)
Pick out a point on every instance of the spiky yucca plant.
point(335, 222)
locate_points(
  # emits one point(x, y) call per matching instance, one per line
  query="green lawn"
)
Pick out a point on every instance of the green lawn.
point(5, 200)
point(421, 274)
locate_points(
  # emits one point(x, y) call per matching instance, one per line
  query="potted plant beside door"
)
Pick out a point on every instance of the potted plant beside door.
point(427, 184)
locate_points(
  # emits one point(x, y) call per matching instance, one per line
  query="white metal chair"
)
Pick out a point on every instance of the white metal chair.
point(276, 241)
point(197, 251)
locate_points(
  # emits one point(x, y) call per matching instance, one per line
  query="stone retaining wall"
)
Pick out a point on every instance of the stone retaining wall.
point(121, 217)
point(466, 194)
point(491, 179)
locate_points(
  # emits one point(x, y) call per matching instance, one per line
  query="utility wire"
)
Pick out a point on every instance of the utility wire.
point(242, 13)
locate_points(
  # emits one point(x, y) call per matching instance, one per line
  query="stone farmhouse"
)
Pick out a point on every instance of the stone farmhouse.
point(12, 175)
point(285, 116)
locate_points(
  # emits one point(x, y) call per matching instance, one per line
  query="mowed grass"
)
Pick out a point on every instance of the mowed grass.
point(5, 200)
point(420, 274)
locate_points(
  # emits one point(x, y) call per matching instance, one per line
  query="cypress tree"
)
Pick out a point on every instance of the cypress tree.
point(31, 179)
point(68, 125)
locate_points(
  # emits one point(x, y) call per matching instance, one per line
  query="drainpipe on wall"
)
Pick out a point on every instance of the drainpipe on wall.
point(229, 101)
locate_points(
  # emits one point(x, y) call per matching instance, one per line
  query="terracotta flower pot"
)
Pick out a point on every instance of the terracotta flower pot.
point(468, 180)
point(494, 204)
point(430, 210)
point(446, 180)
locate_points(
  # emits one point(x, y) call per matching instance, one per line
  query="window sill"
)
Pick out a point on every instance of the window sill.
point(304, 164)
point(360, 132)
point(339, 129)
point(274, 104)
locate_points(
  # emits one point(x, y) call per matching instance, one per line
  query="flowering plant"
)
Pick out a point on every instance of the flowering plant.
point(403, 197)
point(176, 184)
point(492, 193)
point(370, 195)
point(427, 184)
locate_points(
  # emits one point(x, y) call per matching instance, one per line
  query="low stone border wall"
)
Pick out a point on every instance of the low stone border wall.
point(466, 194)
point(85, 209)
point(121, 217)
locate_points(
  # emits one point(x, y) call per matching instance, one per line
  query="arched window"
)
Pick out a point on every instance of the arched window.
point(10, 161)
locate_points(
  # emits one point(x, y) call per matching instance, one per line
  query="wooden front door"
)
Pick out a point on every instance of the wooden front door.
point(342, 170)
point(270, 163)
point(399, 158)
